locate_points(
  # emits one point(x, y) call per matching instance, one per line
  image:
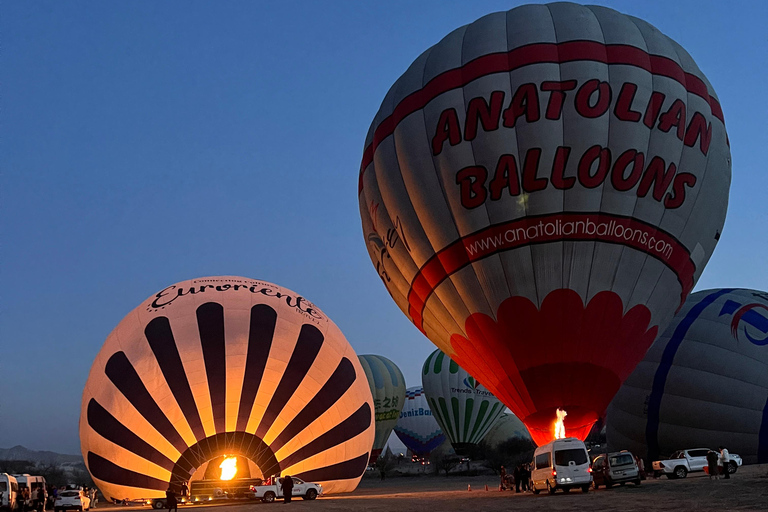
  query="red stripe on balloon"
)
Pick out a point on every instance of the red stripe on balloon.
point(468, 249)
point(539, 53)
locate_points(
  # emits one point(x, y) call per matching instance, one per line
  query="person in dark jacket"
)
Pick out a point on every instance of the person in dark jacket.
point(287, 488)
point(517, 474)
point(170, 500)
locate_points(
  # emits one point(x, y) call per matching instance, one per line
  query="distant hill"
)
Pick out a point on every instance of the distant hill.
point(46, 457)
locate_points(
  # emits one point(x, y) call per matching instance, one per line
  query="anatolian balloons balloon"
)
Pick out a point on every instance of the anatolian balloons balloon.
point(539, 193)
point(388, 389)
point(703, 383)
point(224, 366)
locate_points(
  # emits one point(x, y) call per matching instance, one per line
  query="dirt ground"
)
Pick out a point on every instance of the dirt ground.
point(746, 490)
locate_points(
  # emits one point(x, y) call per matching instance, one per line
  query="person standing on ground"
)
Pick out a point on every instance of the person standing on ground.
point(170, 500)
point(725, 459)
point(503, 477)
point(517, 474)
point(287, 488)
point(712, 458)
point(184, 490)
point(92, 495)
point(40, 499)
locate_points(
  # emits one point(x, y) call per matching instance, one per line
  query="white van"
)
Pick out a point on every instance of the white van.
point(33, 483)
point(8, 490)
point(561, 464)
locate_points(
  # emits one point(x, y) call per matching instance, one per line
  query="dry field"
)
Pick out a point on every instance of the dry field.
point(747, 490)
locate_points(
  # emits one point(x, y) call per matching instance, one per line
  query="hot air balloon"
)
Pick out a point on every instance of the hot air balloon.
point(416, 427)
point(224, 366)
point(505, 428)
point(539, 193)
point(703, 383)
point(463, 408)
point(388, 389)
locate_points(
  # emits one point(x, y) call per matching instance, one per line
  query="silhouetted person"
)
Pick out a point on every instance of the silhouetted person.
point(712, 464)
point(518, 476)
point(503, 476)
point(184, 490)
point(287, 488)
point(170, 500)
point(725, 458)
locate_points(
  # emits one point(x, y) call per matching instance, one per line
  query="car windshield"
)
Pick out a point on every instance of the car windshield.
point(621, 460)
point(575, 455)
point(70, 494)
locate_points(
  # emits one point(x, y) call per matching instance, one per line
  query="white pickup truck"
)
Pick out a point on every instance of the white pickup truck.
point(683, 462)
point(301, 489)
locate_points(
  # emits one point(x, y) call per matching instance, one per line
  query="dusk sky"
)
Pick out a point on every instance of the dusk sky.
point(144, 143)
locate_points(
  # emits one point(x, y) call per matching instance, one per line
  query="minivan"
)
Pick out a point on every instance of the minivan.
point(615, 468)
point(33, 483)
point(8, 490)
point(561, 464)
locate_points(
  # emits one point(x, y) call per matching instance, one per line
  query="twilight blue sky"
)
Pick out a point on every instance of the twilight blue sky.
point(144, 143)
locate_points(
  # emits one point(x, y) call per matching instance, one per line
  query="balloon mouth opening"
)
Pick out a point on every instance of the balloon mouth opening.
point(547, 425)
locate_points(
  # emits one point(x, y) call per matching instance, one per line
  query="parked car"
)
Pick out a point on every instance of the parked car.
point(614, 468)
point(72, 499)
point(301, 489)
point(683, 462)
point(561, 464)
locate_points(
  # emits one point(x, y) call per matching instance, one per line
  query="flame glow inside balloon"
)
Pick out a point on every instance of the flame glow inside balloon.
point(225, 366)
point(539, 193)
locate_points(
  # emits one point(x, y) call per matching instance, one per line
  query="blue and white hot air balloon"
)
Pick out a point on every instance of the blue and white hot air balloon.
point(417, 427)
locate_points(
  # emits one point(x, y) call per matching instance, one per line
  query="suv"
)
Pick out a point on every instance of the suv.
point(74, 499)
point(683, 462)
point(615, 468)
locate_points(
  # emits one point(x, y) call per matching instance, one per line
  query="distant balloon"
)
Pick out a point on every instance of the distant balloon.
point(388, 389)
point(703, 383)
point(463, 408)
point(417, 428)
point(224, 367)
point(539, 193)
point(507, 427)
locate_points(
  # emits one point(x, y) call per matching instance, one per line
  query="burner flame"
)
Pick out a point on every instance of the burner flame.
point(560, 424)
point(228, 468)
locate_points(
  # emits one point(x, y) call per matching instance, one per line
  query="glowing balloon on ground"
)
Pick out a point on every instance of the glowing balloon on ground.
point(506, 427)
point(463, 408)
point(539, 193)
point(225, 366)
point(703, 383)
point(388, 389)
point(417, 428)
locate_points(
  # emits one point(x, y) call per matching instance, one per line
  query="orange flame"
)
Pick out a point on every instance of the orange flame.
point(228, 468)
point(560, 424)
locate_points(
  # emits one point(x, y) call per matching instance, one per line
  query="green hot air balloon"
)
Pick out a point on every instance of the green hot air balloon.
point(464, 409)
point(388, 390)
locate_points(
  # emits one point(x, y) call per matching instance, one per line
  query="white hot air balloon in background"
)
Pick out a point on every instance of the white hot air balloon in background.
point(507, 427)
point(703, 383)
point(463, 408)
point(417, 427)
point(223, 367)
point(539, 193)
point(388, 389)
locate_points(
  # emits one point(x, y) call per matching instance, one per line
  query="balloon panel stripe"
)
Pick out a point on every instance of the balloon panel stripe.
point(122, 374)
point(160, 338)
point(210, 322)
point(492, 415)
point(762, 440)
point(107, 426)
point(260, 335)
point(351, 468)
point(338, 384)
point(357, 423)
point(468, 418)
point(668, 356)
point(480, 415)
point(446, 416)
point(103, 469)
point(304, 354)
point(537, 53)
point(455, 410)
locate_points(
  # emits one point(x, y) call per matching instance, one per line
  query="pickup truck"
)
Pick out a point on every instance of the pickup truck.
point(683, 462)
point(269, 491)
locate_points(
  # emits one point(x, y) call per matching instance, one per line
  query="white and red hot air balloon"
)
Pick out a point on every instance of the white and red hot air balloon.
point(539, 193)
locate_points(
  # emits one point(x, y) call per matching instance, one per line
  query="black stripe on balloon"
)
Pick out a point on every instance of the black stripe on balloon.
point(262, 330)
point(107, 426)
point(226, 443)
point(210, 323)
point(344, 431)
point(304, 354)
point(338, 383)
point(352, 468)
point(107, 471)
point(122, 374)
point(163, 345)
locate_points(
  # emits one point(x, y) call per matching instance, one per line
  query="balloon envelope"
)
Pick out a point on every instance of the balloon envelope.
point(224, 366)
point(388, 389)
point(417, 428)
point(507, 427)
point(463, 408)
point(703, 383)
point(539, 193)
